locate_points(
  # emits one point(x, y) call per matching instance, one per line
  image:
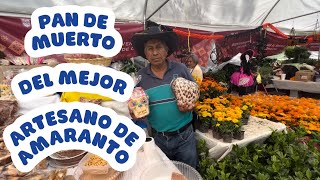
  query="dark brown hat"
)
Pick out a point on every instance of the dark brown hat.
point(249, 52)
point(154, 32)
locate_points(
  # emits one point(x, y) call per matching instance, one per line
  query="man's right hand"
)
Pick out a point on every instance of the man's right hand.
point(134, 117)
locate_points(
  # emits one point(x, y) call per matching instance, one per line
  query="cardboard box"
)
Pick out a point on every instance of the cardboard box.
point(304, 75)
point(16, 69)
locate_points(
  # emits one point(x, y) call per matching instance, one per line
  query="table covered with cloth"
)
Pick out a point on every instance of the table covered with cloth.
point(296, 86)
point(257, 131)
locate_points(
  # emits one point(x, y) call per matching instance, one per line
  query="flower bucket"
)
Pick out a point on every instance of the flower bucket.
point(227, 137)
point(216, 134)
point(238, 135)
point(245, 121)
point(203, 128)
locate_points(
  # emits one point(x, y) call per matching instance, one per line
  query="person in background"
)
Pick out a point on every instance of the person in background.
point(193, 65)
point(244, 79)
point(171, 128)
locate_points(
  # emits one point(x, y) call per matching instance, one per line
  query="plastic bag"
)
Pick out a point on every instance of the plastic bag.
point(139, 103)
point(186, 92)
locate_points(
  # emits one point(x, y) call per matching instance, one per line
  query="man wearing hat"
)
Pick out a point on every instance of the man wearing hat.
point(171, 128)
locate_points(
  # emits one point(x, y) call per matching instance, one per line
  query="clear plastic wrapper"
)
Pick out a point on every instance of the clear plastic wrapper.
point(139, 103)
point(95, 168)
point(186, 92)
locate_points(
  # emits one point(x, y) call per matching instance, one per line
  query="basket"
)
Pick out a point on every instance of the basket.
point(92, 170)
point(16, 69)
point(188, 171)
point(58, 161)
point(102, 61)
point(95, 172)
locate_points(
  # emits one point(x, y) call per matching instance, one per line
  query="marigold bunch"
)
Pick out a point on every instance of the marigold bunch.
point(211, 89)
point(292, 112)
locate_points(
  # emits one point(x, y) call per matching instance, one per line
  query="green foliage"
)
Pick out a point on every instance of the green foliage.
point(265, 62)
point(307, 61)
point(204, 161)
point(224, 74)
point(219, 76)
point(282, 156)
point(205, 121)
point(289, 52)
point(266, 73)
point(227, 127)
point(128, 67)
point(298, 54)
point(202, 149)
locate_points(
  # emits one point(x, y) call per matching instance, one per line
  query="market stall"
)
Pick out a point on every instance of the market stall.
point(79, 164)
point(75, 164)
point(224, 120)
point(143, 169)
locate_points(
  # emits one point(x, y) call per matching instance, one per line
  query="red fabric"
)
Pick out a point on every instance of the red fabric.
point(13, 30)
point(199, 36)
point(276, 30)
point(200, 47)
point(229, 47)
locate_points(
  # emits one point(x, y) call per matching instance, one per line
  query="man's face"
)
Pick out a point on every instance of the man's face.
point(156, 51)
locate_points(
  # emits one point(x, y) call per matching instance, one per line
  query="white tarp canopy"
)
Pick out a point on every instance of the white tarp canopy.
point(279, 57)
point(314, 55)
point(210, 15)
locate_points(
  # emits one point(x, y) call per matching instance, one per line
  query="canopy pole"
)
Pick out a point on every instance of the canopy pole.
point(157, 9)
point(275, 4)
point(295, 17)
point(144, 15)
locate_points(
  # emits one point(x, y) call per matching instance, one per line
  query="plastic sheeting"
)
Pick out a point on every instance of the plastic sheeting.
point(311, 87)
point(210, 15)
point(281, 57)
point(257, 131)
point(314, 55)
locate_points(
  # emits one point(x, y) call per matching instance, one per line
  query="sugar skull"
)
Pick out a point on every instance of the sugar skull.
point(139, 103)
